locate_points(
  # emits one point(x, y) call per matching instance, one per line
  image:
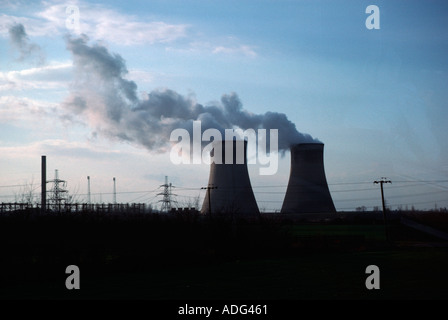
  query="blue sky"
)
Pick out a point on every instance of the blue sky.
point(376, 98)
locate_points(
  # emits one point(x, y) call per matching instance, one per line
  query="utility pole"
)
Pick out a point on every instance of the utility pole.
point(115, 193)
point(88, 190)
point(208, 188)
point(381, 182)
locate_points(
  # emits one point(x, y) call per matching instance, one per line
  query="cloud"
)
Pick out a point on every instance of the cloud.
point(53, 76)
point(21, 43)
point(72, 149)
point(11, 4)
point(20, 109)
point(241, 49)
point(35, 27)
point(96, 21)
point(60, 148)
point(101, 23)
point(229, 46)
point(140, 76)
point(103, 97)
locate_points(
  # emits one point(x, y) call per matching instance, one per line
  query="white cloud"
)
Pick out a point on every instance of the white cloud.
point(225, 47)
point(53, 76)
point(56, 75)
point(118, 29)
point(5, 83)
point(60, 147)
point(34, 26)
point(140, 76)
point(101, 23)
point(96, 21)
point(76, 149)
point(241, 49)
point(17, 109)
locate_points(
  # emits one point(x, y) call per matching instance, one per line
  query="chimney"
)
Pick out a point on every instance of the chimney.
point(43, 205)
point(229, 190)
point(307, 190)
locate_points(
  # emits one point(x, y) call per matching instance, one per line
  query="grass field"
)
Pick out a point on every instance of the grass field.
point(166, 260)
point(369, 232)
point(404, 274)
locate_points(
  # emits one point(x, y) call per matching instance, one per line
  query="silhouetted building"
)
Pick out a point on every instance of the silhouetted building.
point(229, 188)
point(307, 190)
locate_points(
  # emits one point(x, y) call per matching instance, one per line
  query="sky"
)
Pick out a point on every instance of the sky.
point(100, 96)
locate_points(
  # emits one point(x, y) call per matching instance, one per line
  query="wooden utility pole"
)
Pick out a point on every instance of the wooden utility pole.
point(115, 192)
point(381, 182)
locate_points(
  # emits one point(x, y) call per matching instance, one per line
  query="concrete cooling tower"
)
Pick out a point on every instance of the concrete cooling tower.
point(307, 190)
point(229, 189)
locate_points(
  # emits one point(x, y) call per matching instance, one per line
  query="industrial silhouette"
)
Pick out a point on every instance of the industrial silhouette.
point(229, 189)
point(307, 190)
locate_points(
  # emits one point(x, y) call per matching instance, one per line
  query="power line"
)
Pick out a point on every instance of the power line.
point(348, 183)
point(414, 203)
point(263, 186)
point(14, 185)
point(423, 181)
point(208, 188)
point(392, 197)
point(144, 195)
point(147, 195)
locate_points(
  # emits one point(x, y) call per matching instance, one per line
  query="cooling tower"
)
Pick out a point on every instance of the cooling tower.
point(229, 190)
point(307, 190)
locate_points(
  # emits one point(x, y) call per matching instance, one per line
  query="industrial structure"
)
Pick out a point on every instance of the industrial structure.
point(43, 182)
point(229, 191)
point(59, 195)
point(307, 190)
point(168, 201)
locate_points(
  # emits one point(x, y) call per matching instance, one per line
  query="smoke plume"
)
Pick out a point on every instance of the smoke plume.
point(26, 49)
point(108, 101)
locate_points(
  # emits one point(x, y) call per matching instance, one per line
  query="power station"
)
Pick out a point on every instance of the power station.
point(229, 190)
point(307, 190)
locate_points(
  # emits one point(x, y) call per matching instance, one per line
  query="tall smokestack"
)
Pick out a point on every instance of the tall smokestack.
point(307, 190)
point(43, 184)
point(229, 190)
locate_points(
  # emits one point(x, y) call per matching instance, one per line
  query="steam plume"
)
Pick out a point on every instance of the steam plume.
point(109, 102)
